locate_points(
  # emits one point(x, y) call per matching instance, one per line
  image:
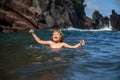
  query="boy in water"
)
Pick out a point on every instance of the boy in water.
point(57, 41)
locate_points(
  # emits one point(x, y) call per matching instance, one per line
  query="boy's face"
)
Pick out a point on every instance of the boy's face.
point(56, 37)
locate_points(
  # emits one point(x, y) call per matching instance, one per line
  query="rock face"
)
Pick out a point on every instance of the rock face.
point(9, 21)
point(99, 21)
point(62, 13)
point(12, 16)
point(42, 14)
point(18, 15)
point(115, 20)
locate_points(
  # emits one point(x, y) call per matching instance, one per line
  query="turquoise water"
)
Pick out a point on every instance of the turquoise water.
point(21, 58)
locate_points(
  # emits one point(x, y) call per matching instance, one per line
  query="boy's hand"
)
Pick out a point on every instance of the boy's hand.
point(82, 42)
point(31, 31)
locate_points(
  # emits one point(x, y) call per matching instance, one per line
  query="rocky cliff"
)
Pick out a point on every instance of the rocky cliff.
point(115, 20)
point(98, 21)
point(19, 15)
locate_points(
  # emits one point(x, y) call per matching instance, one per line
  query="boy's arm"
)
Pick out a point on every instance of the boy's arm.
point(37, 38)
point(82, 42)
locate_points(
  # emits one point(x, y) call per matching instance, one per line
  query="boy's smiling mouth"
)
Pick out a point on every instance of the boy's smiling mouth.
point(55, 37)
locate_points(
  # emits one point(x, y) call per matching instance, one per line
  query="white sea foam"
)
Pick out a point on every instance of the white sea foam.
point(102, 29)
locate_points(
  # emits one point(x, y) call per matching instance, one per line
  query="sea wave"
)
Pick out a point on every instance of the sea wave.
point(76, 29)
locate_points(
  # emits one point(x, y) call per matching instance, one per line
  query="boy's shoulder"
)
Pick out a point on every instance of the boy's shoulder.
point(63, 43)
point(49, 41)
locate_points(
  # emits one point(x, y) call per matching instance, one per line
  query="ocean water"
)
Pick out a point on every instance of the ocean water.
point(21, 58)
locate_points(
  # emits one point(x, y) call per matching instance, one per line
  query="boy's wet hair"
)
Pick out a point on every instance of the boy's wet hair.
point(62, 36)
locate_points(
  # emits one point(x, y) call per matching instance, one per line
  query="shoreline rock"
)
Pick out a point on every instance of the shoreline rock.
point(38, 14)
point(43, 15)
point(115, 20)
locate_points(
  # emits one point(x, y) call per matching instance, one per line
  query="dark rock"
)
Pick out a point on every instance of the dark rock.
point(115, 20)
point(1, 29)
point(106, 21)
point(34, 11)
point(20, 26)
point(6, 29)
point(87, 23)
point(43, 14)
point(62, 13)
point(97, 20)
point(49, 19)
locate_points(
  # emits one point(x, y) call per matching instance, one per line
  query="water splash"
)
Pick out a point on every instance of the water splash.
point(102, 29)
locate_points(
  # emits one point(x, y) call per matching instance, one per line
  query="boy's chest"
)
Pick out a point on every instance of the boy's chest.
point(57, 45)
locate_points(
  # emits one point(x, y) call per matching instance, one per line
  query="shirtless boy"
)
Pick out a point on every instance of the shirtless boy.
point(57, 41)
